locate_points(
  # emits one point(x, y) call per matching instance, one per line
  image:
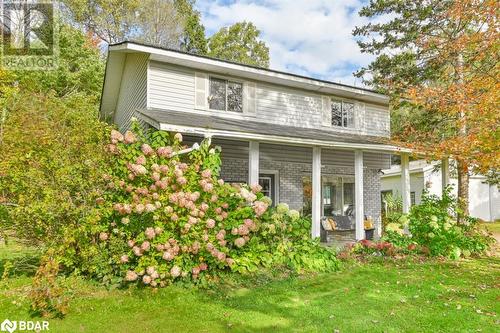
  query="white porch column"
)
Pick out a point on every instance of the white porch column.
point(316, 192)
point(253, 163)
point(445, 173)
point(405, 182)
point(358, 183)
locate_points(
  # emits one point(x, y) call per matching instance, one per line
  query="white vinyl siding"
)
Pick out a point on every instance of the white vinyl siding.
point(173, 88)
point(133, 89)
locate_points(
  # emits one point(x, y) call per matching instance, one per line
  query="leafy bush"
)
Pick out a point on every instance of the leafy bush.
point(433, 225)
point(284, 239)
point(166, 216)
point(49, 298)
point(53, 154)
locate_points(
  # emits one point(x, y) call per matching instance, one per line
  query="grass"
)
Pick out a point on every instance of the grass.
point(380, 296)
point(493, 227)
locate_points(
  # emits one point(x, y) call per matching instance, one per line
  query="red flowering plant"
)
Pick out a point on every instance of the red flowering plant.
point(164, 215)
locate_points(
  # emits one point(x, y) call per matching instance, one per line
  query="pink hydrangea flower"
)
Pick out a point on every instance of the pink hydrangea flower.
point(146, 279)
point(150, 208)
point(256, 188)
point(125, 220)
point(164, 151)
point(243, 230)
point(230, 261)
point(147, 150)
point(210, 223)
point(150, 270)
point(124, 259)
point(174, 217)
point(131, 276)
point(204, 206)
point(137, 251)
point(259, 207)
point(158, 230)
point(167, 256)
point(103, 236)
point(203, 266)
point(239, 242)
point(145, 246)
point(116, 136)
point(129, 137)
point(175, 271)
point(139, 209)
point(182, 180)
point(178, 137)
point(207, 173)
point(130, 243)
point(141, 160)
point(150, 233)
point(221, 182)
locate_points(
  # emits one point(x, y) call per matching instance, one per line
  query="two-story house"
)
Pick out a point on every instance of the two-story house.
point(318, 146)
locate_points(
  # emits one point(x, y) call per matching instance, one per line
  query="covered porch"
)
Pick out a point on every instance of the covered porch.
point(324, 174)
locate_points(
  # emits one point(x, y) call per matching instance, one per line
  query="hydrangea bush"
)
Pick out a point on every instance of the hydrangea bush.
point(166, 216)
point(433, 226)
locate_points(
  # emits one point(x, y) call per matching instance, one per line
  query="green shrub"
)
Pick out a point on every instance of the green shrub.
point(284, 238)
point(52, 156)
point(165, 216)
point(48, 296)
point(433, 225)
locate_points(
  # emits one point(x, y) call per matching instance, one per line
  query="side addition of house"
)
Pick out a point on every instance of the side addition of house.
point(318, 146)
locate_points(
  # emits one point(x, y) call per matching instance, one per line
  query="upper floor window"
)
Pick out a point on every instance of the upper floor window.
point(225, 95)
point(342, 114)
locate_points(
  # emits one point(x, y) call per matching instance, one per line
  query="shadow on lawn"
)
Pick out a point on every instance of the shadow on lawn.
point(300, 305)
point(17, 260)
point(363, 299)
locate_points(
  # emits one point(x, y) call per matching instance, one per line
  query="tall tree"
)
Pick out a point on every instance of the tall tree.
point(439, 59)
point(193, 38)
point(159, 23)
point(110, 20)
point(80, 68)
point(240, 43)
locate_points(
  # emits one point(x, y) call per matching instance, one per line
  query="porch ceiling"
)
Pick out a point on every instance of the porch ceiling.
point(253, 130)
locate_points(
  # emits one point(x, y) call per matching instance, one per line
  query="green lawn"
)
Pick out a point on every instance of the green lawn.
point(375, 297)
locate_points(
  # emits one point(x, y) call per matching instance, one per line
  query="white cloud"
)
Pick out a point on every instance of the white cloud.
point(307, 37)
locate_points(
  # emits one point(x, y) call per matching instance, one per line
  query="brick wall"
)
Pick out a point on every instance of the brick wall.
point(291, 177)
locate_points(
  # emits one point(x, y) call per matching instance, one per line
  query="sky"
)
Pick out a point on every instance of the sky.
point(306, 37)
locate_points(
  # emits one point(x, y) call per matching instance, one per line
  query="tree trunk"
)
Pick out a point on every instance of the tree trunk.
point(463, 189)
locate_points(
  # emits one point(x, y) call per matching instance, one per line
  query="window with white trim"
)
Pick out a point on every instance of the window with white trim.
point(225, 95)
point(342, 114)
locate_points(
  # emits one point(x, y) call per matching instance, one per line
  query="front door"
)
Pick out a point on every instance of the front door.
point(267, 181)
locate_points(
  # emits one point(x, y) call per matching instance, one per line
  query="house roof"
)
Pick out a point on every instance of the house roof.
point(115, 64)
point(415, 167)
point(209, 124)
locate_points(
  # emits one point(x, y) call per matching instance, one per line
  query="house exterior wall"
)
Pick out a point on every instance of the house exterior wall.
point(291, 176)
point(484, 199)
point(393, 183)
point(174, 88)
point(133, 89)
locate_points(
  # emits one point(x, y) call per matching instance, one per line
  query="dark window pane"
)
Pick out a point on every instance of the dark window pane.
point(348, 114)
point(336, 113)
point(234, 96)
point(217, 94)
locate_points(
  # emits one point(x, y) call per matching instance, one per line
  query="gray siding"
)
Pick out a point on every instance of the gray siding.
point(173, 87)
point(289, 107)
point(133, 89)
point(170, 87)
